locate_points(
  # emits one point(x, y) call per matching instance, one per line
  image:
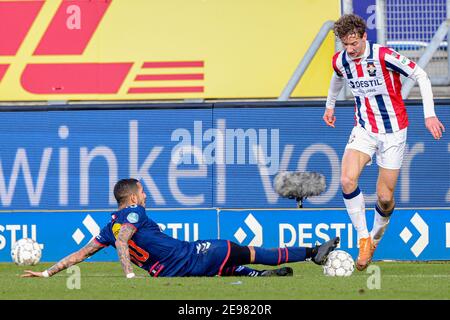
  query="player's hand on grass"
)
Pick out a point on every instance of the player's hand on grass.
point(32, 274)
point(435, 127)
point(329, 117)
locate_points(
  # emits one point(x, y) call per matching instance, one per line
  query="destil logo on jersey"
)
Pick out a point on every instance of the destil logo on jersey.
point(68, 33)
point(365, 83)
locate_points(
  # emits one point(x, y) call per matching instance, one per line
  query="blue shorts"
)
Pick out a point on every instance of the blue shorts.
point(209, 257)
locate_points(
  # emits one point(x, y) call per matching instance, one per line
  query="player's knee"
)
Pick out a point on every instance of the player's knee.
point(348, 184)
point(385, 200)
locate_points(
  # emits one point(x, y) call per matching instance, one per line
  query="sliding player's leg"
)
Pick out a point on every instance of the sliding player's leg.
point(276, 256)
point(226, 258)
point(244, 255)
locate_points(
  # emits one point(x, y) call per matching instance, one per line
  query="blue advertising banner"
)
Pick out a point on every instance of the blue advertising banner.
point(61, 233)
point(296, 139)
point(422, 234)
point(71, 160)
point(223, 157)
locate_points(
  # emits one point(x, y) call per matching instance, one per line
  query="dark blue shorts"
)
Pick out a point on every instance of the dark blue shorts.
point(209, 257)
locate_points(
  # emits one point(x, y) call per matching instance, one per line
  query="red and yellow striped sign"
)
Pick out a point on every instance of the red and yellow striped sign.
point(160, 49)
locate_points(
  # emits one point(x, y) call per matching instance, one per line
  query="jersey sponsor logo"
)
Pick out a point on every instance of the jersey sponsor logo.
point(365, 83)
point(371, 69)
point(133, 217)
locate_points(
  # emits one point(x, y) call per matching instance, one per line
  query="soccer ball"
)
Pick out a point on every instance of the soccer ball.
point(26, 252)
point(339, 264)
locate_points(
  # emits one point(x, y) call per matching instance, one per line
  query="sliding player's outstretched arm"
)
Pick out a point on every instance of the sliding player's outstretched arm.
point(126, 232)
point(91, 248)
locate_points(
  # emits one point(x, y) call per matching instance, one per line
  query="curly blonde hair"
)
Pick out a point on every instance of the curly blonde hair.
point(349, 24)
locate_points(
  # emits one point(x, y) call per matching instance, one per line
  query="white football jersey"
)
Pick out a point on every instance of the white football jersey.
point(374, 80)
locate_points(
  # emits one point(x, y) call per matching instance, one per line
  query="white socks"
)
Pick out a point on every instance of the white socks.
point(354, 202)
point(380, 223)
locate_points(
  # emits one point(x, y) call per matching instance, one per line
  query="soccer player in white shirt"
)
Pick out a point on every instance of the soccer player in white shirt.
point(373, 73)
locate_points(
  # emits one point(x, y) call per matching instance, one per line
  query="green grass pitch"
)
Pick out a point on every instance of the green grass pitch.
point(398, 280)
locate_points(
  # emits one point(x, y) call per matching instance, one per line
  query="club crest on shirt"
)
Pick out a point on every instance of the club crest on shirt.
point(371, 69)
